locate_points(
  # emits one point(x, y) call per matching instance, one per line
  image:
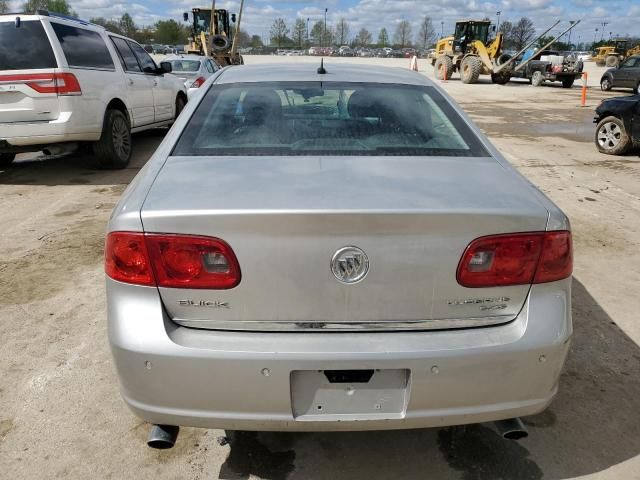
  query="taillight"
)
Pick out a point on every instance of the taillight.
point(197, 83)
point(58, 83)
point(174, 261)
point(516, 259)
point(126, 258)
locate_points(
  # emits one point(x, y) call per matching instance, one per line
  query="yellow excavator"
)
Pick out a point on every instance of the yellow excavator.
point(612, 55)
point(211, 34)
point(469, 52)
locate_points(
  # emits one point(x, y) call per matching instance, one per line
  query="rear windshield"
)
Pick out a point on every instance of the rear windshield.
point(26, 47)
point(312, 118)
point(185, 65)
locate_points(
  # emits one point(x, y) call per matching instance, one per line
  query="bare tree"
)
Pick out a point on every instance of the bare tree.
point(364, 37)
point(342, 32)
point(4, 6)
point(402, 35)
point(321, 37)
point(522, 33)
point(299, 32)
point(427, 33)
point(279, 32)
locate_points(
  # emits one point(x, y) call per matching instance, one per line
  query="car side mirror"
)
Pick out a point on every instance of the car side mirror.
point(165, 67)
point(185, 16)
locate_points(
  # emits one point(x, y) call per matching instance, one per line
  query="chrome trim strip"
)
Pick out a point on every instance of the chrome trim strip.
point(319, 326)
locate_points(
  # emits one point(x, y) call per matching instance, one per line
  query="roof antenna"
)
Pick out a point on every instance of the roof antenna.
point(321, 69)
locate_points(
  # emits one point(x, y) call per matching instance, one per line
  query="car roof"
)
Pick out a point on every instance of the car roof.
point(185, 57)
point(307, 72)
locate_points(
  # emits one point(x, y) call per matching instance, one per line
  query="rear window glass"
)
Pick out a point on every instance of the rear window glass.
point(185, 65)
point(312, 118)
point(25, 47)
point(83, 48)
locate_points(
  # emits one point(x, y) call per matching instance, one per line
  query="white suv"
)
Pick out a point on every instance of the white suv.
point(66, 83)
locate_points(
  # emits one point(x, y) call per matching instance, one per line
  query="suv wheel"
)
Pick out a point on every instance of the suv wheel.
point(605, 84)
point(180, 104)
point(537, 78)
point(6, 159)
point(113, 150)
point(611, 136)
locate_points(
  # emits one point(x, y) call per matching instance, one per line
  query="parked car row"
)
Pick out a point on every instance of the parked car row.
point(66, 84)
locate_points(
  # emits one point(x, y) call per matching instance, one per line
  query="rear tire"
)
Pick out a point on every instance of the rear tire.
point(443, 67)
point(612, 61)
point(470, 69)
point(6, 159)
point(611, 137)
point(113, 150)
point(180, 104)
point(537, 78)
point(568, 82)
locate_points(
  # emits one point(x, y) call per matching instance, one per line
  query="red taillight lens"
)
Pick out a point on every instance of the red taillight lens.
point(556, 261)
point(126, 258)
point(516, 259)
point(58, 83)
point(174, 261)
point(184, 261)
point(197, 83)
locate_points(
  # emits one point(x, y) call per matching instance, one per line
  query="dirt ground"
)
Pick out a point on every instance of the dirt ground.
point(61, 415)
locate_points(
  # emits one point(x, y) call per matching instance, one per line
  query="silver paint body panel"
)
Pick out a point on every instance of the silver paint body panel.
point(285, 217)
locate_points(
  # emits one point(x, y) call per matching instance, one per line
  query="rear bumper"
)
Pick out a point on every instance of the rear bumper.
point(180, 376)
point(25, 134)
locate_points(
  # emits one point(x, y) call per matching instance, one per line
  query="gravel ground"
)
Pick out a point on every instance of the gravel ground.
point(60, 411)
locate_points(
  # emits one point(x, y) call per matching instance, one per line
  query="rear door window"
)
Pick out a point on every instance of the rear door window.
point(128, 59)
point(83, 48)
point(26, 47)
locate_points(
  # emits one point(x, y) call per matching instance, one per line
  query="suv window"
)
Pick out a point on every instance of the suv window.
point(83, 48)
point(209, 66)
point(146, 62)
point(25, 47)
point(128, 59)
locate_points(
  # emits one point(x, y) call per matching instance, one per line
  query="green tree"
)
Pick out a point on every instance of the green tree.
point(383, 38)
point(256, 41)
point(110, 25)
point(170, 32)
point(127, 25)
point(299, 32)
point(279, 32)
point(363, 38)
point(58, 6)
point(402, 35)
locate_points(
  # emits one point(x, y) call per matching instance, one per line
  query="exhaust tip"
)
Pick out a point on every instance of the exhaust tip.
point(162, 437)
point(512, 429)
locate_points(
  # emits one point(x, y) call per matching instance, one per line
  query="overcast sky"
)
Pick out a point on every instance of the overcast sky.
point(373, 14)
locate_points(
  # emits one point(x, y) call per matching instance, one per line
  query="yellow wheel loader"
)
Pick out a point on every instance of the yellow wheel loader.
point(211, 34)
point(613, 55)
point(469, 52)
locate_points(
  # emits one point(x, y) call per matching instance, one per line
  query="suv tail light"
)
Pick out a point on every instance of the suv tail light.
point(174, 261)
point(58, 83)
point(197, 83)
point(516, 259)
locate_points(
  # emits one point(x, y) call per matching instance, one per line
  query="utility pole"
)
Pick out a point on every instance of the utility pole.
point(307, 31)
point(324, 35)
point(604, 25)
point(595, 35)
point(498, 15)
point(442, 32)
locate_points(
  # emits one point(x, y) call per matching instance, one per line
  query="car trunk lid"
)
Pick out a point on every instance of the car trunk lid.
point(286, 218)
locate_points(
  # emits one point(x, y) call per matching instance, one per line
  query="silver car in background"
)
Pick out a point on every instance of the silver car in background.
point(334, 251)
point(194, 70)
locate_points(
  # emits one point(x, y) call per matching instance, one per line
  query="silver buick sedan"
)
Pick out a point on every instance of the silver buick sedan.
point(334, 248)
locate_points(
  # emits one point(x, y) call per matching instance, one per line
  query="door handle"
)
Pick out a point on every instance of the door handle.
point(130, 82)
point(155, 83)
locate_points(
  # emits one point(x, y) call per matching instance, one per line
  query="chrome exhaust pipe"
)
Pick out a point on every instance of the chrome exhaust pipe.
point(512, 429)
point(163, 436)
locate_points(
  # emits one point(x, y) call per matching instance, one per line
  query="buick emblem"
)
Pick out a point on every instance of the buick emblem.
point(350, 264)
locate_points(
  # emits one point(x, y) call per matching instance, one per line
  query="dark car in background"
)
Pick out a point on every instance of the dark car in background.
point(626, 75)
point(618, 129)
